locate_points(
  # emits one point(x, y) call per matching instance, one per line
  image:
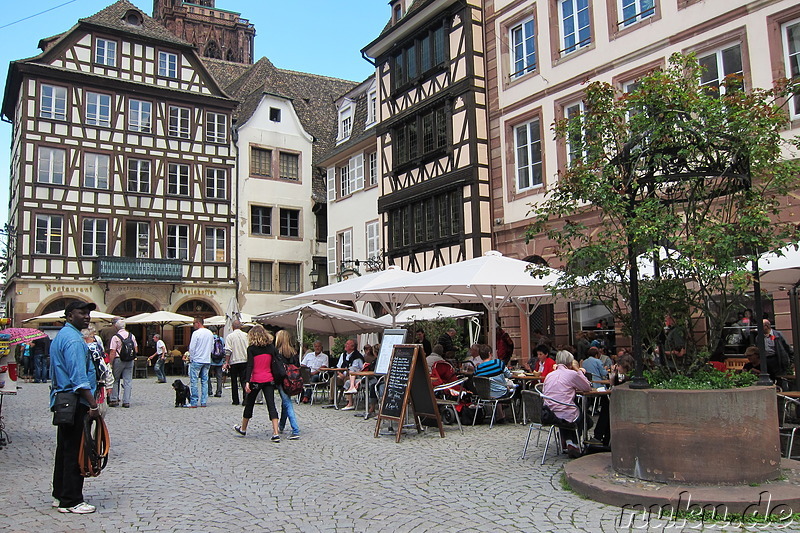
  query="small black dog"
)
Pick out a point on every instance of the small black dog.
point(181, 393)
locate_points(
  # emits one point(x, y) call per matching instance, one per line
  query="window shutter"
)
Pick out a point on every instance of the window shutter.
point(331, 184)
point(331, 257)
point(358, 171)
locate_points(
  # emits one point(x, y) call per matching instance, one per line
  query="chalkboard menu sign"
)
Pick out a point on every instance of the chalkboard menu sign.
point(407, 380)
point(391, 337)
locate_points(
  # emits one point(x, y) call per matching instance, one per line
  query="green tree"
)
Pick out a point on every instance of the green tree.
point(674, 174)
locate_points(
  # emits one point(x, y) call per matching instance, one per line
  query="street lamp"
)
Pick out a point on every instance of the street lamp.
point(314, 275)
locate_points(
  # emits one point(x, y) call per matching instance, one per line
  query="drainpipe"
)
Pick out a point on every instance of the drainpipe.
point(235, 207)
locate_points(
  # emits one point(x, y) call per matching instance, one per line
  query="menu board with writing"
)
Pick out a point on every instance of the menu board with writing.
point(407, 380)
point(391, 337)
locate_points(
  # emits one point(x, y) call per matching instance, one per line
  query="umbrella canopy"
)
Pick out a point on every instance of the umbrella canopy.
point(321, 318)
point(491, 280)
point(58, 316)
point(220, 320)
point(23, 335)
point(360, 289)
point(162, 318)
point(780, 270)
point(417, 314)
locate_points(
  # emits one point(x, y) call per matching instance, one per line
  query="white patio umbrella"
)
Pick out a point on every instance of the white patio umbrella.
point(417, 314)
point(780, 270)
point(491, 280)
point(358, 289)
point(162, 318)
point(321, 318)
point(220, 320)
point(57, 316)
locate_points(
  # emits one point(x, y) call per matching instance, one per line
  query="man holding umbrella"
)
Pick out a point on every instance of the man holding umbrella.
point(72, 370)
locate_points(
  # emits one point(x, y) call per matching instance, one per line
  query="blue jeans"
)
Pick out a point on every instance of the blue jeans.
point(287, 410)
point(159, 368)
point(40, 369)
point(198, 371)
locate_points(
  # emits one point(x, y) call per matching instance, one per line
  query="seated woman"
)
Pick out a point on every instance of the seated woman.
point(620, 373)
point(560, 387)
point(541, 362)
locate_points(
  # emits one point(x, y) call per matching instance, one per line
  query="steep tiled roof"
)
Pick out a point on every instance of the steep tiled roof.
point(358, 131)
point(112, 18)
point(225, 72)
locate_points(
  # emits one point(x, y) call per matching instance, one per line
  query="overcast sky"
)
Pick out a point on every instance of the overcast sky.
point(318, 36)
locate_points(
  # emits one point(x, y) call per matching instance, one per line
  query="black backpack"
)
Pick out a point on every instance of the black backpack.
point(218, 351)
point(127, 349)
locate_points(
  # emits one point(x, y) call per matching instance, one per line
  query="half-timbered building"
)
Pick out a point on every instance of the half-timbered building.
point(432, 133)
point(539, 57)
point(121, 172)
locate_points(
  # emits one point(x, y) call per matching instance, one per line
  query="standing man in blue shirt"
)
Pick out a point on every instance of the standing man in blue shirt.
point(72, 370)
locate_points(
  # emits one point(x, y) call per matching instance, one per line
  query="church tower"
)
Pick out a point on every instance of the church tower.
point(215, 32)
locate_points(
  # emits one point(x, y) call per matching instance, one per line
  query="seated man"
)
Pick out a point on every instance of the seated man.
point(353, 361)
point(314, 361)
point(436, 355)
point(561, 385)
point(594, 366)
point(753, 364)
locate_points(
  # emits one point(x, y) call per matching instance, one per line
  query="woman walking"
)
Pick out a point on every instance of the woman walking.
point(287, 355)
point(259, 378)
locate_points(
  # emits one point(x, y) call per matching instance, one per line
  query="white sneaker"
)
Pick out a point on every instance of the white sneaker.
point(56, 503)
point(81, 508)
point(348, 408)
point(351, 391)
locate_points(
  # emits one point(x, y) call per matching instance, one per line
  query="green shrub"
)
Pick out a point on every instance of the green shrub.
point(706, 378)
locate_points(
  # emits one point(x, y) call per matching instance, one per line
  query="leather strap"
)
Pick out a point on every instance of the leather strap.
point(95, 444)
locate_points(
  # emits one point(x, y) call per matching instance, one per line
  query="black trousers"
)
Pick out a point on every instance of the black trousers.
point(236, 371)
point(269, 397)
point(67, 478)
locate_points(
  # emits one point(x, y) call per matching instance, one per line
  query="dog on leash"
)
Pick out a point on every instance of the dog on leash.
point(181, 393)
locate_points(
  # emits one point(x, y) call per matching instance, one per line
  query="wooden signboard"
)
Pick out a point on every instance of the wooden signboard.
point(407, 380)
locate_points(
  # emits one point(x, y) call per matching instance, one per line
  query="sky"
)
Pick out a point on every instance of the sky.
point(317, 36)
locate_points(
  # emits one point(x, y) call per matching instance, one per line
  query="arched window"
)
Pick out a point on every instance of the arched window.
point(195, 308)
point(58, 305)
point(133, 307)
point(230, 56)
point(213, 51)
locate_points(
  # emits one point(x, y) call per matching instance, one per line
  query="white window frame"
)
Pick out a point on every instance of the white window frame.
point(105, 52)
point(216, 183)
point(356, 173)
point(96, 170)
point(98, 109)
point(179, 122)
point(642, 9)
point(140, 116)
point(344, 180)
point(568, 114)
point(717, 53)
point(575, 30)
point(372, 106)
point(139, 175)
point(528, 150)
point(51, 165)
point(167, 64)
point(373, 234)
point(215, 245)
point(49, 234)
point(345, 121)
point(791, 73)
point(178, 179)
point(522, 48)
point(53, 102)
point(372, 165)
point(216, 127)
point(94, 237)
point(142, 239)
point(266, 281)
point(177, 246)
point(284, 214)
point(289, 277)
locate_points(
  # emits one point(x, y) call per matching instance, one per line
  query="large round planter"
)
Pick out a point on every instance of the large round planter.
point(696, 436)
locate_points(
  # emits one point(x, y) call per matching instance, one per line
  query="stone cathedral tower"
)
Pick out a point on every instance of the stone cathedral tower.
point(216, 32)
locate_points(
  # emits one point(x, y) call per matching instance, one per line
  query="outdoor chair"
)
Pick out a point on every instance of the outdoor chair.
point(788, 430)
point(483, 392)
point(571, 426)
point(140, 367)
point(447, 405)
point(322, 384)
point(532, 409)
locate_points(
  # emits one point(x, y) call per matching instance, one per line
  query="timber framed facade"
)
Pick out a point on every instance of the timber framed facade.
point(121, 173)
point(433, 134)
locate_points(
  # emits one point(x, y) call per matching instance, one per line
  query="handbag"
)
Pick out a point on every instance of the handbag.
point(64, 408)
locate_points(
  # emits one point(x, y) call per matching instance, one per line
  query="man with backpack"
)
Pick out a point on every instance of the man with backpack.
point(121, 355)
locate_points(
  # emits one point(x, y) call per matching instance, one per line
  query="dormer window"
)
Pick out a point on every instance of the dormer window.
point(345, 121)
point(133, 18)
point(397, 12)
point(372, 106)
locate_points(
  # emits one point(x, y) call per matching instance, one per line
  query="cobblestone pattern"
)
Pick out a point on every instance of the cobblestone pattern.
point(186, 470)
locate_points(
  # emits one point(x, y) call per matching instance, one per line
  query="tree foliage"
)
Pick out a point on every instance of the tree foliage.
point(692, 178)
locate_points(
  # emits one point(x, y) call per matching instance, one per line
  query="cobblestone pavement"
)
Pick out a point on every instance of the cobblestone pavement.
point(186, 470)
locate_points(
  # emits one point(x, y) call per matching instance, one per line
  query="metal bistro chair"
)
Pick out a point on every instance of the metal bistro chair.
point(573, 426)
point(446, 405)
point(785, 430)
point(483, 391)
point(322, 384)
point(532, 403)
point(140, 367)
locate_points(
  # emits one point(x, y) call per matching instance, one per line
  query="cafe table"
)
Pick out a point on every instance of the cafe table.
point(585, 397)
point(364, 375)
point(332, 386)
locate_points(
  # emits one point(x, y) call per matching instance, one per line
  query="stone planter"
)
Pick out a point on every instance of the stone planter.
point(727, 436)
